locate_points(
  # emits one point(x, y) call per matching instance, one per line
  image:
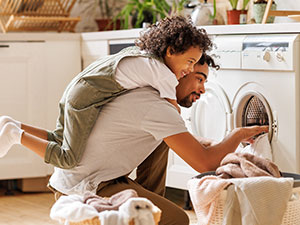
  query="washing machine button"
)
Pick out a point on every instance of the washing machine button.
point(266, 56)
point(279, 56)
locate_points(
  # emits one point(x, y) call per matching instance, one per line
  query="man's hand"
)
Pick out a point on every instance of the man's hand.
point(249, 132)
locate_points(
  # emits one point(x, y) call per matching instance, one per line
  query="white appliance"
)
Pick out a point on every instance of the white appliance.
point(258, 83)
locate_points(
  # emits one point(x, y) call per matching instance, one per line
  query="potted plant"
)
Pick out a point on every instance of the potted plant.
point(244, 11)
point(234, 15)
point(107, 8)
point(147, 11)
point(259, 7)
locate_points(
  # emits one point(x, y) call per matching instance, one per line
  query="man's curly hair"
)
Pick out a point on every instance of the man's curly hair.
point(177, 32)
point(209, 61)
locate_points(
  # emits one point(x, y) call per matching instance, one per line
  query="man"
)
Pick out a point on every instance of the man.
point(129, 133)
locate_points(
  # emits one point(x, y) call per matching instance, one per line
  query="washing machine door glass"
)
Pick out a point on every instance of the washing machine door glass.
point(210, 113)
point(253, 109)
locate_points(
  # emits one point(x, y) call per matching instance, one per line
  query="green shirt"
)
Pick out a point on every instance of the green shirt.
point(80, 105)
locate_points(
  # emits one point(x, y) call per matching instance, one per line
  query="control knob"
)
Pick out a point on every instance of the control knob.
point(266, 56)
point(279, 56)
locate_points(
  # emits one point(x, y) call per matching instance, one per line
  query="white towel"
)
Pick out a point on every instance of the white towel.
point(257, 200)
point(72, 208)
point(261, 147)
point(138, 209)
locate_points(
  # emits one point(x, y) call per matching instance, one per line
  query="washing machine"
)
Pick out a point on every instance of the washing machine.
point(258, 84)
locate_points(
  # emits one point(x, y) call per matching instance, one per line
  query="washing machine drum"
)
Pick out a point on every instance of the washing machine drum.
point(253, 109)
point(254, 113)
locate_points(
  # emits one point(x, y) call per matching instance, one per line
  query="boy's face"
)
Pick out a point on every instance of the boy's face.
point(192, 86)
point(182, 64)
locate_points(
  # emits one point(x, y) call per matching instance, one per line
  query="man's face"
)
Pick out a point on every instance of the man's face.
point(191, 86)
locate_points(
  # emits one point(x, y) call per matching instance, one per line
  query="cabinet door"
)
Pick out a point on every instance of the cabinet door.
point(22, 96)
point(92, 50)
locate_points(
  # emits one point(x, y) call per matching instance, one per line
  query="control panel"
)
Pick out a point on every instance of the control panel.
point(268, 52)
point(228, 49)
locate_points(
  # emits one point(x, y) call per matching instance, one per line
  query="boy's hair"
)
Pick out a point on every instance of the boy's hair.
point(208, 60)
point(177, 32)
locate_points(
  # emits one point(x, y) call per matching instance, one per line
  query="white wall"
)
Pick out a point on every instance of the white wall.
point(287, 5)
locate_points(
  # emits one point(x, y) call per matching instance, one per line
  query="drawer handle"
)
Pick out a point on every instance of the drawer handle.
point(4, 46)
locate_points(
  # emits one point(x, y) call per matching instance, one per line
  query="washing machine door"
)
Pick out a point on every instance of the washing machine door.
point(210, 115)
point(250, 107)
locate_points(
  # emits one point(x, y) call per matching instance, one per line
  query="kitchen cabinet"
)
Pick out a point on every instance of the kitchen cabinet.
point(34, 73)
point(92, 50)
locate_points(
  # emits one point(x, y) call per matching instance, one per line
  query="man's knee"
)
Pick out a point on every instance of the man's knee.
point(174, 216)
point(182, 218)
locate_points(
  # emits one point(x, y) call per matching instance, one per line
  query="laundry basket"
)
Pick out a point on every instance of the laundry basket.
point(72, 210)
point(291, 215)
point(37, 15)
point(96, 221)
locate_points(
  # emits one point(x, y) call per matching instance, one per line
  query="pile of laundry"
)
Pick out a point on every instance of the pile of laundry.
point(256, 192)
point(120, 209)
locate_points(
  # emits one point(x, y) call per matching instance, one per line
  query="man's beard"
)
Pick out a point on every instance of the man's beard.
point(186, 101)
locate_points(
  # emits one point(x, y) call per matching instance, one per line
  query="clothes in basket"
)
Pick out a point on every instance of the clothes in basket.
point(263, 198)
point(71, 210)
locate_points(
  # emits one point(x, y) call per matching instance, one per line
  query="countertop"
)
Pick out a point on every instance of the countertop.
point(212, 30)
point(39, 36)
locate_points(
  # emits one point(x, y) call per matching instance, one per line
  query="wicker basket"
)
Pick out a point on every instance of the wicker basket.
point(96, 221)
point(291, 215)
point(37, 15)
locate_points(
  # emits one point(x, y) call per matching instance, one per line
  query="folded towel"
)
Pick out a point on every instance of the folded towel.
point(112, 203)
point(260, 147)
point(238, 165)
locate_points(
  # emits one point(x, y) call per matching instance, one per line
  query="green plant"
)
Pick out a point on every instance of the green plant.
point(158, 9)
point(215, 11)
point(233, 4)
point(245, 3)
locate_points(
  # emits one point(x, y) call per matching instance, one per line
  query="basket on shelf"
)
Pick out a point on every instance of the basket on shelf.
point(37, 15)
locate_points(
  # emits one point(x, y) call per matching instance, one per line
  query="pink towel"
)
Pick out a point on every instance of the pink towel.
point(204, 195)
point(239, 165)
point(112, 203)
